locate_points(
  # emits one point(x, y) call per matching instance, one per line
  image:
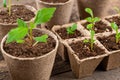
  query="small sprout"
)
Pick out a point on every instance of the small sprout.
point(115, 27)
point(71, 30)
point(4, 3)
point(23, 30)
point(85, 40)
point(117, 10)
point(92, 20)
point(92, 40)
point(9, 5)
point(42, 38)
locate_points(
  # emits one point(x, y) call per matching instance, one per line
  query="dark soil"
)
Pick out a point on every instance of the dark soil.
point(55, 1)
point(63, 34)
point(83, 50)
point(25, 50)
point(114, 19)
point(100, 27)
point(110, 43)
point(17, 11)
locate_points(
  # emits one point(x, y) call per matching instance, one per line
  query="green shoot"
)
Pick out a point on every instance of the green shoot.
point(117, 10)
point(9, 5)
point(115, 27)
point(92, 40)
point(71, 30)
point(23, 30)
point(4, 3)
point(92, 20)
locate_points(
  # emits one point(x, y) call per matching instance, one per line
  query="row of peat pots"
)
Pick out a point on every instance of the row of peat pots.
point(76, 46)
point(70, 41)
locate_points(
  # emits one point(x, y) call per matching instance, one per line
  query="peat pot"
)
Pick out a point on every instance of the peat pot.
point(83, 67)
point(33, 68)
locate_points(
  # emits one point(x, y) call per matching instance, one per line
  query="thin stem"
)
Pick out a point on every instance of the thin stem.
point(117, 36)
point(91, 45)
point(35, 43)
point(9, 6)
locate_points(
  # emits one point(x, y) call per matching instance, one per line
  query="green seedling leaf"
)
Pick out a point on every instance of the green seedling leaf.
point(114, 26)
point(71, 30)
point(96, 19)
point(85, 40)
point(118, 36)
point(89, 19)
point(88, 10)
point(32, 25)
point(21, 23)
point(17, 34)
point(20, 41)
point(42, 38)
point(90, 26)
point(4, 3)
point(44, 15)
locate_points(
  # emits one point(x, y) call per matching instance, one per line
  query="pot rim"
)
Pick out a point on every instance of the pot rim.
point(88, 58)
point(33, 58)
point(31, 8)
point(54, 4)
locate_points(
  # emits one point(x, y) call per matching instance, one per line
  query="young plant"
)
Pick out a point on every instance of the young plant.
point(71, 29)
point(117, 10)
point(23, 31)
point(92, 40)
point(91, 20)
point(115, 27)
point(9, 5)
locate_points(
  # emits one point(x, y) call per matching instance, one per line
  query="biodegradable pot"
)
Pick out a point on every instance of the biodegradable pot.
point(61, 15)
point(113, 60)
point(98, 6)
point(5, 28)
point(82, 22)
point(83, 67)
point(62, 51)
point(36, 68)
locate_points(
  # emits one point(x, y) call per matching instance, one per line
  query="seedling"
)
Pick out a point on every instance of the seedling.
point(115, 27)
point(92, 40)
point(91, 20)
point(23, 31)
point(9, 5)
point(71, 29)
point(117, 10)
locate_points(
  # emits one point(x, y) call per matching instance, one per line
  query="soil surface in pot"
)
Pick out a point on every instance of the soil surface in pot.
point(83, 50)
point(17, 11)
point(55, 1)
point(100, 27)
point(110, 42)
point(25, 50)
point(114, 19)
point(64, 35)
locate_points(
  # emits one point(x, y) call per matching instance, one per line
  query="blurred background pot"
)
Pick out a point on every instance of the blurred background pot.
point(101, 8)
point(62, 14)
